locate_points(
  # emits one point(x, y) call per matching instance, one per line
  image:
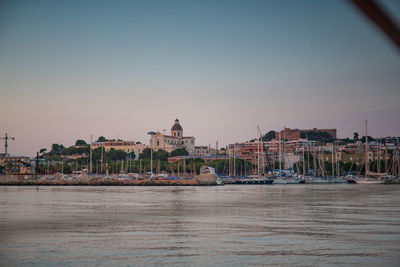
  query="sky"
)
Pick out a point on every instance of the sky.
point(71, 69)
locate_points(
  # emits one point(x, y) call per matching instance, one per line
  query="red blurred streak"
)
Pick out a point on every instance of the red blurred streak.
point(378, 16)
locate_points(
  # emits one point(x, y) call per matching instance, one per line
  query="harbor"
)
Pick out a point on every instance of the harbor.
point(234, 224)
point(199, 133)
point(289, 156)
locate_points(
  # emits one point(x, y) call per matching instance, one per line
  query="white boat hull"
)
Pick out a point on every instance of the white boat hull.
point(369, 181)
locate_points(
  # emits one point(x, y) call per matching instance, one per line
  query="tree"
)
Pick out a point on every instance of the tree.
point(355, 136)
point(370, 139)
point(269, 136)
point(67, 169)
point(145, 153)
point(113, 155)
point(77, 150)
point(323, 137)
point(179, 152)
point(56, 149)
point(161, 155)
point(80, 142)
point(101, 139)
point(42, 150)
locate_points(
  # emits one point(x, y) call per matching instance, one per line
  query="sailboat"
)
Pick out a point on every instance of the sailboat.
point(287, 178)
point(260, 177)
point(368, 179)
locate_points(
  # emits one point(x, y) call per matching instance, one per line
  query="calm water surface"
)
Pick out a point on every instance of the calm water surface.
point(287, 225)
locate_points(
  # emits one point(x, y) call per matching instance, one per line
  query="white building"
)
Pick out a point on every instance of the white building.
point(173, 141)
point(127, 146)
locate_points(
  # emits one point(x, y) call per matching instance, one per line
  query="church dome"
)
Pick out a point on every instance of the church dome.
point(176, 126)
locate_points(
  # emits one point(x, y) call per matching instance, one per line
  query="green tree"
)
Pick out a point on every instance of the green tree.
point(323, 137)
point(355, 136)
point(67, 169)
point(161, 155)
point(179, 152)
point(101, 139)
point(80, 142)
point(77, 150)
point(268, 136)
point(56, 149)
point(114, 155)
point(370, 139)
point(145, 153)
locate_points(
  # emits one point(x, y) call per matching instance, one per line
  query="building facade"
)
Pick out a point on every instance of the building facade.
point(174, 141)
point(205, 151)
point(288, 134)
point(295, 134)
point(332, 132)
point(127, 146)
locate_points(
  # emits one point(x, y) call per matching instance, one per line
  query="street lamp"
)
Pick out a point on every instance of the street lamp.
point(151, 133)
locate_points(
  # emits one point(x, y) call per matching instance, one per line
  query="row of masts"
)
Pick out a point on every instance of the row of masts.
point(317, 155)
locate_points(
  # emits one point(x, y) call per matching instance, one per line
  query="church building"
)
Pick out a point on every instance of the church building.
point(175, 140)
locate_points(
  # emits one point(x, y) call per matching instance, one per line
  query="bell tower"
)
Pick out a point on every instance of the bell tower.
point(177, 130)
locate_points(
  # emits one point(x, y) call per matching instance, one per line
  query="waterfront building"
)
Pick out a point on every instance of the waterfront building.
point(392, 141)
point(332, 132)
point(204, 151)
point(127, 146)
point(288, 134)
point(174, 141)
point(295, 134)
point(15, 164)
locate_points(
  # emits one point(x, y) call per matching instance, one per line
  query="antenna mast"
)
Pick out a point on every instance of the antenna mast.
point(5, 138)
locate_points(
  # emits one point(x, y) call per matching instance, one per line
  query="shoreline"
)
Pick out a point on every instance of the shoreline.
point(108, 183)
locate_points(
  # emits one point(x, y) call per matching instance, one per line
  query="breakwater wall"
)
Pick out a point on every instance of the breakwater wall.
point(105, 183)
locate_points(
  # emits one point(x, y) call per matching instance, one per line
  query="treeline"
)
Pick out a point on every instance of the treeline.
point(187, 166)
point(322, 137)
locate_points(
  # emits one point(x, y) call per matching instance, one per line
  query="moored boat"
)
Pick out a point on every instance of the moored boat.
point(369, 180)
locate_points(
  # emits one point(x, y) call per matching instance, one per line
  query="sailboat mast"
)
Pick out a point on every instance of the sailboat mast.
point(366, 149)
point(333, 165)
point(91, 144)
point(398, 163)
point(262, 155)
point(258, 157)
point(273, 162)
point(280, 156)
point(262, 150)
point(234, 160)
point(101, 161)
point(308, 156)
point(314, 160)
point(304, 162)
point(378, 165)
point(337, 164)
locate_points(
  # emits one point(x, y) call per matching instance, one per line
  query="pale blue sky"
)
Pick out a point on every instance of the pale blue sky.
point(69, 69)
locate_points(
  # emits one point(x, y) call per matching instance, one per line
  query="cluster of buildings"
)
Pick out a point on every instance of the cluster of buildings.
point(16, 164)
point(158, 141)
point(289, 142)
point(291, 152)
point(295, 134)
